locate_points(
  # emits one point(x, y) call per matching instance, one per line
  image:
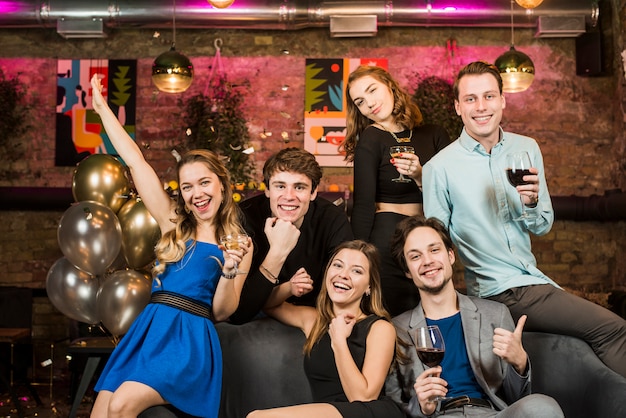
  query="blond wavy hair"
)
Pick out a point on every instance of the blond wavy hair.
point(173, 244)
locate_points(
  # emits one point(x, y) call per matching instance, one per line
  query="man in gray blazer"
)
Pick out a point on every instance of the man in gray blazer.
point(485, 371)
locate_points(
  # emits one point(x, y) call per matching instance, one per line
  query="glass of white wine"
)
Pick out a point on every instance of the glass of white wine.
point(395, 151)
point(233, 241)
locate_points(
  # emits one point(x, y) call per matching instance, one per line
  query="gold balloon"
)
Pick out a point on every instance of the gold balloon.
point(101, 178)
point(140, 233)
point(121, 298)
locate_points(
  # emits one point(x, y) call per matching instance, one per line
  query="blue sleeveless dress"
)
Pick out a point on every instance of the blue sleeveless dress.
point(176, 353)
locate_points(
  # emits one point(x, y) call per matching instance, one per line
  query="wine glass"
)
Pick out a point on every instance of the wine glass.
point(429, 345)
point(518, 166)
point(233, 241)
point(395, 151)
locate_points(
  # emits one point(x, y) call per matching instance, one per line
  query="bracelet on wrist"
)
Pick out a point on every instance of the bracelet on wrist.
point(231, 275)
point(269, 275)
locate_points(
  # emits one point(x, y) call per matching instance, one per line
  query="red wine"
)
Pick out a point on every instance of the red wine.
point(430, 356)
point(516, 177)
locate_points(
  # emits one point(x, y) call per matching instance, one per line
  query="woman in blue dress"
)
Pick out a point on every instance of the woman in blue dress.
point(350, 341)
point(171, 353)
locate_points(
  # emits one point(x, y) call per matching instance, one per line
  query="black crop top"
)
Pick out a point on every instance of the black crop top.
point(373, 171)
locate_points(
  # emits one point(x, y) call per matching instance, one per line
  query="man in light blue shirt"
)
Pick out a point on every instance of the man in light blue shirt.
point(466, 187)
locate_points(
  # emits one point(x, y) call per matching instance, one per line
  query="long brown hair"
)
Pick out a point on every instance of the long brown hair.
point(372, 304)
point(172, 245)
point(405, 110)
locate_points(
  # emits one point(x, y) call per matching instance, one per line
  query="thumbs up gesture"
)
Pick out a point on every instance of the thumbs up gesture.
point(508, 346)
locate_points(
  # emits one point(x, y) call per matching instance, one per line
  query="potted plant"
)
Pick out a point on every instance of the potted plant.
point(435, 98)
point(13, 123)
point(214, 121)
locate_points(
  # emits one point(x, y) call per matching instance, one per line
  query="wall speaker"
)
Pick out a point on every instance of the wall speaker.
point(589, 54)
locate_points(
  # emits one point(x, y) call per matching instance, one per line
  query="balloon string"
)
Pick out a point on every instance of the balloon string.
point(115, 339)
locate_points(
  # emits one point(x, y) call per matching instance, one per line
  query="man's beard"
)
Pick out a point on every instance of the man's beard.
point(435, 290)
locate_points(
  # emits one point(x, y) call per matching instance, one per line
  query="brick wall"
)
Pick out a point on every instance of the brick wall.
point(577, 121)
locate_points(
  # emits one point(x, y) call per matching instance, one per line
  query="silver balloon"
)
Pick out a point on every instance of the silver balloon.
point(72, 291)
point(122, 296)
point(140, 233)
point(90, 236)
point(101, 178)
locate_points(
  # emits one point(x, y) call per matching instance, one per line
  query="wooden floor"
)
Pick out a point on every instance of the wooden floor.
point(56, 407)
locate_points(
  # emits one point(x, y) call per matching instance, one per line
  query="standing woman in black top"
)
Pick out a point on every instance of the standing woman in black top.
point(380, 115)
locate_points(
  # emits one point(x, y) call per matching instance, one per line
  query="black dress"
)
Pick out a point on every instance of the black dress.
point(324, 380)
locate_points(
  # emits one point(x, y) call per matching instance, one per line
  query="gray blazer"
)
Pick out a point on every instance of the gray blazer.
point(479, 317)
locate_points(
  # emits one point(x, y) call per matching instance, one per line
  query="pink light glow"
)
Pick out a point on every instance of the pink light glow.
point(8, 7)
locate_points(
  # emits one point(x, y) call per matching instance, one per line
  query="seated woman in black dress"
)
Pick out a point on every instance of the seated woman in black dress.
point(350, 342)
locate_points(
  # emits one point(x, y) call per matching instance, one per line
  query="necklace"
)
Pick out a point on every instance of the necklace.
point(398, 140)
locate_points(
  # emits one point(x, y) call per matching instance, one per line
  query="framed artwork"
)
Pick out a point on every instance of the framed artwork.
point(79, 132)
point(325, 106)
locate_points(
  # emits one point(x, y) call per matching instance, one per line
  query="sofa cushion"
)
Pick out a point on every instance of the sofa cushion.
point(263, 369)
point(567, 369)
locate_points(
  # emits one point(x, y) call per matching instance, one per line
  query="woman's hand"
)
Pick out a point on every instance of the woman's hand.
point(409, 165)
point(340, 327)
point(232, 258)
point(98, 101)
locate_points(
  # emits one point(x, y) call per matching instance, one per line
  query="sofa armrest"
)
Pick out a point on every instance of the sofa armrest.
point(567, 369)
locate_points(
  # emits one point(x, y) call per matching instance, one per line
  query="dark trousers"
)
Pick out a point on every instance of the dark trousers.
point(399, 292)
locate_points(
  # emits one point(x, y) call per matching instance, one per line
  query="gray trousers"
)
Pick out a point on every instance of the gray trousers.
point(556, 311)
point(531, 406)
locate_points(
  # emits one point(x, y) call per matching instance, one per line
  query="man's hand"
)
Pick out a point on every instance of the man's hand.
point(508, 346)
point(429, 385)
point(301, 283)
point(530, 191)
point(281, 235)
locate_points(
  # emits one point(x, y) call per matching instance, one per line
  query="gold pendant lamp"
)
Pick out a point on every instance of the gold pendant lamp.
point(172, 72)
point(516, 68)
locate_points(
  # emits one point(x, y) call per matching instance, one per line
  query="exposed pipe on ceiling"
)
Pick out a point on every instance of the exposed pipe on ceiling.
point(286, 14)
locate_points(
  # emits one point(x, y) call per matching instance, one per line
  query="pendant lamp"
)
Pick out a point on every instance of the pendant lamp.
point(221, 4)
point(172, 72)
point(529, 4)
point(516, 68)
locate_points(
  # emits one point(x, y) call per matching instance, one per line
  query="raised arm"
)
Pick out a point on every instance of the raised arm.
point(148, 184)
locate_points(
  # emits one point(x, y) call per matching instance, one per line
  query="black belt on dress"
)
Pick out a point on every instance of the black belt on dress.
point(460, 401)
point(183, 303)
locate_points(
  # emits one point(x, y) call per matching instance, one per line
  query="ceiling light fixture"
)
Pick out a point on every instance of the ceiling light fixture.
point(172, 72)
point(221, 4)
point(516, 68)
point(529, 4)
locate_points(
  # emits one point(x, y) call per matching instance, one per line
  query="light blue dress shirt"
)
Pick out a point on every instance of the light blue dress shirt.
point(467, 189)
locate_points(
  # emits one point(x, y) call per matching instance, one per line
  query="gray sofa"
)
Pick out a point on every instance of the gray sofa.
point(263, 369)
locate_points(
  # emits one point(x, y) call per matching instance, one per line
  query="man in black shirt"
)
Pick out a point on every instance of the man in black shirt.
point(294, 233)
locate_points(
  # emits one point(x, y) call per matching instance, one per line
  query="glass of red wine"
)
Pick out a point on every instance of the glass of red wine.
point(430, 346)
point(518, 166)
